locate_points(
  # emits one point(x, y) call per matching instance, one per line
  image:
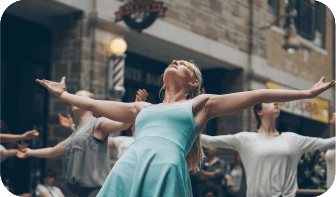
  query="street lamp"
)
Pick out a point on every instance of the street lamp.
point(291, 44)
point(116, 68)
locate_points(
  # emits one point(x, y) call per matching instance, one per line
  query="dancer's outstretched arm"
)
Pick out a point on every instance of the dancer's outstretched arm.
point(107, 126)
point(18, 137)
point(118, 111)
point(309, 144)
point(5, 153)
point(221, 141)
point(49, 152)
point(207, 106)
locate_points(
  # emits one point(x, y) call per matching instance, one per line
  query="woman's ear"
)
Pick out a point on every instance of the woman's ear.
point(194, 83)
point(260, 113)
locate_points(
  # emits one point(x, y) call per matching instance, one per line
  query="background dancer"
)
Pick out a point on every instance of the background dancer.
point(28, 135)
point(86, 150)
point(270, 159)
point(13, 138)
point(121, 143)
point(47, 189)
point(167, 134)
point(330, 157)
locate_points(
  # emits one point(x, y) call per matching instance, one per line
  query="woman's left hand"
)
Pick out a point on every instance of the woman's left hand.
point(321, 86)
point(54, 87)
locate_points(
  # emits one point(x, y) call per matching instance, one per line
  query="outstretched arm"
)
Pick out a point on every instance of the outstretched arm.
point(5, 153)
point(209, 106)
point(13, 137)
point(49, 152)
point(221, 141)
point(308, 144)
point(109, 126)
point(118, 111)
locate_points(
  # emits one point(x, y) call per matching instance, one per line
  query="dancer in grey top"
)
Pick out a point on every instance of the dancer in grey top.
point(121, 143)
point(86, 150)
point(270, 159)
point(330, 157)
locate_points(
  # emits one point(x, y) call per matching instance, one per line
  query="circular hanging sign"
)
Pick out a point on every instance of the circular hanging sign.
point(140, 14)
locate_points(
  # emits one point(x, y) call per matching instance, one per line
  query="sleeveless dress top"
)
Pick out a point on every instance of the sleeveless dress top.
point(87, 159)
point(154, 165)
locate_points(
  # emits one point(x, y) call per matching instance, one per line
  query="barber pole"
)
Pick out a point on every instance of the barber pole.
point(116, 75)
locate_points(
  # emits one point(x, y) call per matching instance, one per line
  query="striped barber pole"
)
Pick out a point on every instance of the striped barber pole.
point(116, 75)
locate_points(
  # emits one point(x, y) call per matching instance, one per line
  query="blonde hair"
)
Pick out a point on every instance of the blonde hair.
point(89, 94)
point(196, 154)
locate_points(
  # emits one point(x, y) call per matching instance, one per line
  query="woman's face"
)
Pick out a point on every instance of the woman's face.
point(270, 109)
point(180, 70)
point(75, 109)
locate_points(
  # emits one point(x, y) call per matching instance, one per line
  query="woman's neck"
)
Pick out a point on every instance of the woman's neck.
point(85, 116)
point(174, 95)
point(268, 128)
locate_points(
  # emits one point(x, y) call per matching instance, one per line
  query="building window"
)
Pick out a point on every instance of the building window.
point(310, 21)
point(320, 18)
point(273, 11)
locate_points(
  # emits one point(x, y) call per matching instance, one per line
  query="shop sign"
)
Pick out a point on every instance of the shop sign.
point(141, 76)
point(316, 108)
point(140, 14)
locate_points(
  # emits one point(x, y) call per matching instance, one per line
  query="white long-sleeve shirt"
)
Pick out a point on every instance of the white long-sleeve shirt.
point(270, 162)
point(330, 157)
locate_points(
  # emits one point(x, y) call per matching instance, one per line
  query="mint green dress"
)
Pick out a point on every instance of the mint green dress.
point(154, 165)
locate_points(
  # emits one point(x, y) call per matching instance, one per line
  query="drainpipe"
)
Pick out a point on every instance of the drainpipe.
point(92, 25)
point(249, 70)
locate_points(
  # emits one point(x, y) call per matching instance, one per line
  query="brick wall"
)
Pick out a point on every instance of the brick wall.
point(307, 63)
point(79, 52)
point(67, 60)
point(224, 21)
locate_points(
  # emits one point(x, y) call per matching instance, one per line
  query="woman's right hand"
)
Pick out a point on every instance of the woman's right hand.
point(23, 153)
point(66, 122)
point(53, 87)
point(30, 134)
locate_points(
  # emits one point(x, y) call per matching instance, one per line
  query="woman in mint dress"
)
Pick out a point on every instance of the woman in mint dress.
point(167, 141)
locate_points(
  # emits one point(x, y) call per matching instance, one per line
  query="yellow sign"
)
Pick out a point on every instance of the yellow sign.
point(316, 108)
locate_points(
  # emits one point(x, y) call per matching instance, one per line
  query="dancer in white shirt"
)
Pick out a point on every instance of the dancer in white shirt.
point(270, 159)
point(330, 157)
point(48, 189)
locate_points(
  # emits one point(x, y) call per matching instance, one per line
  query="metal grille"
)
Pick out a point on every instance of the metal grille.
point(273, 11)
point(305, 21)
point(320, 23)
point(320, 16)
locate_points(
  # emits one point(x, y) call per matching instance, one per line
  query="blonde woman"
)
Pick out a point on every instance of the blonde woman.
point(167, 143)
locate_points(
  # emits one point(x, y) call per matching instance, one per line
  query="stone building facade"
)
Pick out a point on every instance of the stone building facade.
point(223, 36)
